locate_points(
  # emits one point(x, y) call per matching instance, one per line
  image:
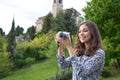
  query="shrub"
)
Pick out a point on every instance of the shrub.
point(106, 73)
point(34, 50)
point(29, 61)
point(19, 63)
point(5, 64)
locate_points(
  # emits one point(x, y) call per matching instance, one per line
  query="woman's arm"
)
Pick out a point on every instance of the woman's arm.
point(60, 50)
point(66, 42)
point(70, 51)
point(63, 63)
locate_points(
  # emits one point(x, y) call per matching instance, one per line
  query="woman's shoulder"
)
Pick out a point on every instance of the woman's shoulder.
point(100, 52)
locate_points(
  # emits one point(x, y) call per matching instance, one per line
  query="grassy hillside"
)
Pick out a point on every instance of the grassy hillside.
point(39, 71)
point(45, 69)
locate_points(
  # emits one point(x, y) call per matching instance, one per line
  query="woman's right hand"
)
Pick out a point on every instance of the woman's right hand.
point(66, 42)
point(59, 44)
point(58, 40)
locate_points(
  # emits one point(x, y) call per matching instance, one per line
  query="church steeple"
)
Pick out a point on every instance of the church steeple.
point(57, 7)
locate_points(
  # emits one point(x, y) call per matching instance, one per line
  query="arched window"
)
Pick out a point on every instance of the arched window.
point(60, 1)
point(54, 1)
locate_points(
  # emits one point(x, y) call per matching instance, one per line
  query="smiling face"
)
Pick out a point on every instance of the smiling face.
point(84, 34)
point(88, 39)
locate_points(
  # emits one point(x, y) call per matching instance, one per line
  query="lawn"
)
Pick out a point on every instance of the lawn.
point(40, 71)
point(45, 69)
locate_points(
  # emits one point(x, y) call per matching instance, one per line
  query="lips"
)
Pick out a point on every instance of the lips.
point(82, 39)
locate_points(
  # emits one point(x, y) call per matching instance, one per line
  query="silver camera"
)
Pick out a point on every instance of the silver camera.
point(64, 35)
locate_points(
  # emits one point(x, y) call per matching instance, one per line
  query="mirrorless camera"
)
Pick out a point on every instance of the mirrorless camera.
point(64, 35)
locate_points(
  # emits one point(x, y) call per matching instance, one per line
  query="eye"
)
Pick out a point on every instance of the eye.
point(85, 30)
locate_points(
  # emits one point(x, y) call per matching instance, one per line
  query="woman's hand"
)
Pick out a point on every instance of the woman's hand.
point(66, 42)
point(63, 41)
point(59, 44)
point(58, 40)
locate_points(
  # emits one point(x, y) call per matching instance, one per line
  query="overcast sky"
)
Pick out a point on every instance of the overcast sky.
point(26, 12)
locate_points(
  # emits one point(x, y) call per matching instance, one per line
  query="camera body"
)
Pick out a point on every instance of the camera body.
point(64, 35)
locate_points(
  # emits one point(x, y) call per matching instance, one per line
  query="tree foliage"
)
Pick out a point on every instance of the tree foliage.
point(58, 23)
point(5, 63)
point(105, 13)
point(47, 23)
point(65, 21)
point(1, 32)
point(70, 20)
point(30, 33)
point(35, 50)
point(18, 31)
point(11, 40)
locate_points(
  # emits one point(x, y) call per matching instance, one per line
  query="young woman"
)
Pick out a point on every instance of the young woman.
point(87, 60)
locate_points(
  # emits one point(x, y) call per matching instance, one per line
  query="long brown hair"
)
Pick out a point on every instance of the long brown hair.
point(95, 41)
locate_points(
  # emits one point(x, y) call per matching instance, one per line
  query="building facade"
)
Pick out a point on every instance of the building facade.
point(39, 23)
point(56, 8)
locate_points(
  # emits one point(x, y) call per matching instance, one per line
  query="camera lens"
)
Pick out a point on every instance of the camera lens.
point(62, 35)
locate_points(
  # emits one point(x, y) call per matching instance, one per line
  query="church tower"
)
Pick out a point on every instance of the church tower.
point(57, 7)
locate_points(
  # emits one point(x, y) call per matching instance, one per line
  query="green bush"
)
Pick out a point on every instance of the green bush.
point(37, 49)
point(29, 61)
point(19, 63)
point(106, 73)
point(5, 64)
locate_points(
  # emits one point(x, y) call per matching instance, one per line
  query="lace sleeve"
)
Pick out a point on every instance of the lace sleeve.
point(64, 62)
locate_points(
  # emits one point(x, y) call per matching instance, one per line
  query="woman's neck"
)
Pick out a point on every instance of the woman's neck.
point(86, 45)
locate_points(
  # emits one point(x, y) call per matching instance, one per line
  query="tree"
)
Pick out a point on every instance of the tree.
point(31, 32)
point(47, 23)
point(18, 30)
point(65, 21)
point(105, 15)
point(70, 20)
point(58, 22)
point(1, 32)
point(5, 63)
point(103, 12)
point(11, 40)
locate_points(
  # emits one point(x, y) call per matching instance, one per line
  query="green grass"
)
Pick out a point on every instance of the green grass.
point(46, 69)
point(40, 71)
